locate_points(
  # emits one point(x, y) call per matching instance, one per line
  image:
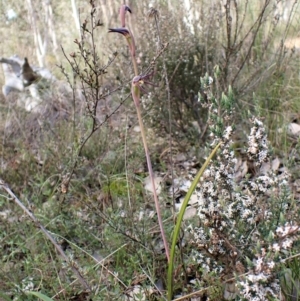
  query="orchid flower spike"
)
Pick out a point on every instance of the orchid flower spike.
point(129, 37)
point(142, 80)
point(123, 10)
point(138, 84)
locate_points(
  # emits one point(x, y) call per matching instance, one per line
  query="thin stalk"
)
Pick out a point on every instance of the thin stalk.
point(151, 175)
point(131, 43)
point(134, 63)
point(137, 83)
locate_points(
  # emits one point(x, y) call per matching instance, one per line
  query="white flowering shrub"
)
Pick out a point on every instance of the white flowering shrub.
point(246, 226)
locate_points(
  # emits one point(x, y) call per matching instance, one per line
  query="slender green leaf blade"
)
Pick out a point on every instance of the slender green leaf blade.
point(40, 296)
point(180, 218)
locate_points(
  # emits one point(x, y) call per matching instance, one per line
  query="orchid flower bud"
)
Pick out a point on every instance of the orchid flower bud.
point(138, 84)
point(129, 37)
point(123, 10)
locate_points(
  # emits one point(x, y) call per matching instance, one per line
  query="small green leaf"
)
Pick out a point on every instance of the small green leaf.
point(249, 262)
point(40, 296)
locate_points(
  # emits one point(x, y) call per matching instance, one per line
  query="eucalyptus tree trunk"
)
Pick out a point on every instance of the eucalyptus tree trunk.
point(50, 23)
point(42, 24)
point(40, 43)
point(76, 16)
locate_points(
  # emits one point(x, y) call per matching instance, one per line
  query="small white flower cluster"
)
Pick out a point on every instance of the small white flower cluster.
point(206, 263)
point(258, 143)
point(288, 229)
point(286, 235)
point(259, 284)
point(251, 199)
point(262, 183)
point(227, 133)
point(27, 284)
point(222, 201)
point(254, 288)
point(237, 216)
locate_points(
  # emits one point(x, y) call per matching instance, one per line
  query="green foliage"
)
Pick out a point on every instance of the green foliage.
point(80, 167)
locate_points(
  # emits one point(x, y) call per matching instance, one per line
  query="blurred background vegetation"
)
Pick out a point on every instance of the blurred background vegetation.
point(255, 44)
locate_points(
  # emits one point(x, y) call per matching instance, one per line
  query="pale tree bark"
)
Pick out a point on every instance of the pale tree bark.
point(50, 23)
point(42, 24)
point(75, 15)
point(40, 45)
